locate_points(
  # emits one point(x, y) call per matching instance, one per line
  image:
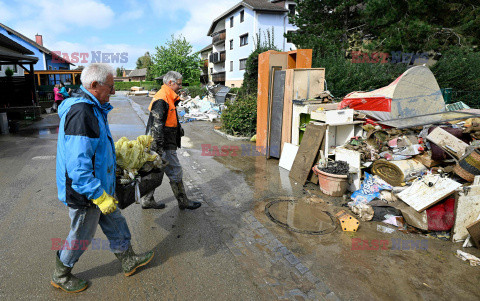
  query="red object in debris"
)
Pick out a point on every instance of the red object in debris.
point(440, 217)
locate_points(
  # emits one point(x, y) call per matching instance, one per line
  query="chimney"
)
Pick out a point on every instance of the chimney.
point(39, 39)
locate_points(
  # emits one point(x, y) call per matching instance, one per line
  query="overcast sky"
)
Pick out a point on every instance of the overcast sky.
point(112, 26)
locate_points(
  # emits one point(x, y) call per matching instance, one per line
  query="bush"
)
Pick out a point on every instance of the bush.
point(195, 91)
point(9, 72)
point(458, 69)
point(240, 117)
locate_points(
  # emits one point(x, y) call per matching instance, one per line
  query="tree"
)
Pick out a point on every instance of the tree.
point(324, 25)
point(144, 61)
point(379, 25)
point(250, 76)
point(177, 55)
point(119, 72)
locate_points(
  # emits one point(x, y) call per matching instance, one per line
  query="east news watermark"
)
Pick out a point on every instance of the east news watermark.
point(394, 57)
point(245, 150)
point(92, 57)
point(385, 244)
point(96, 244)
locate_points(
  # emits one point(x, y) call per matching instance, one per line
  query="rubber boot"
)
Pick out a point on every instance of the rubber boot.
point(148, 202)
point(63, 279)
point(130, 261)
point(181, 196)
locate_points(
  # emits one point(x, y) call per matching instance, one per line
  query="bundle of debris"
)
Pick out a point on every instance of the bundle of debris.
point(139, 169)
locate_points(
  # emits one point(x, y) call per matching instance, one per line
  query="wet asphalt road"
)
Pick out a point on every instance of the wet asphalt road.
point(226, 250)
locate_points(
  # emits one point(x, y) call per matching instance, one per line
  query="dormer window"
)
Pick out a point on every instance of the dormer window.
point(291, 9)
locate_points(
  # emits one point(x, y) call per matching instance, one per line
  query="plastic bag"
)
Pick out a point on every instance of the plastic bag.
point(133, 154)
point(369, 190)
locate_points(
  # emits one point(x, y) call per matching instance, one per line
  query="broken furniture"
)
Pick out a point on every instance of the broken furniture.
point(267, 62)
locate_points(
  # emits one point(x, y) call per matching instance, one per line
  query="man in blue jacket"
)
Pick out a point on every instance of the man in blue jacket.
point(86, 167)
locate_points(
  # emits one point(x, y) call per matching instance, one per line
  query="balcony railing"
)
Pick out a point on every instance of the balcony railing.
point(217, 57)
point(218, 77)
point(219, 37)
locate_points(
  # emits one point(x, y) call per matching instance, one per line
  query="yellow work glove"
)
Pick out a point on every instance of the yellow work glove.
point(106, 203)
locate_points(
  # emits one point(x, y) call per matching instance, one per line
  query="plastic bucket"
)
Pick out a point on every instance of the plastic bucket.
point(331, 184)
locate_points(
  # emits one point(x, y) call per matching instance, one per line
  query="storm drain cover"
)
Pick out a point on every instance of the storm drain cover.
point(301, 217)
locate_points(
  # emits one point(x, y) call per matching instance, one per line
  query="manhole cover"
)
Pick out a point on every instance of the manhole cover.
point(301, 217)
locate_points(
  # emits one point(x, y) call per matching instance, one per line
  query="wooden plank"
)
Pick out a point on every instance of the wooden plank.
point(312, 177)
point(467, 209)
point(474, 230)
point(421, 196)
point(448, 142)
point(287, 108)
point(304, 160)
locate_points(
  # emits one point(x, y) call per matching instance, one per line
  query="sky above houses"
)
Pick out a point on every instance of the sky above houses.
point(112, 26)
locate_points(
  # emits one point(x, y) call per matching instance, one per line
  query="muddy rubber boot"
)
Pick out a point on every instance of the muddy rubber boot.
point(130, 261)
point(148, 202)
point(181, 196)
point(63, 279)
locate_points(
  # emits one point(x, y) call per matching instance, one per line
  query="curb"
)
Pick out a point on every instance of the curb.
point(230, 137)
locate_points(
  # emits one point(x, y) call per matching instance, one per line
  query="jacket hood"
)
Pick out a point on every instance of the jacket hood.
point(82, 95)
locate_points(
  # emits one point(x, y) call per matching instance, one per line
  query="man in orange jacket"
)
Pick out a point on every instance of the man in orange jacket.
point(166, 131)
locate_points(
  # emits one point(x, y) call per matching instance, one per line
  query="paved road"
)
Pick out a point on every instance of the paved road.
point(226, 250)
point(191, 262)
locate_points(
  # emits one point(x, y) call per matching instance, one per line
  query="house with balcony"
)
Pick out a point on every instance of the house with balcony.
point(234, 32)
point(50, 69)
point(206, 76)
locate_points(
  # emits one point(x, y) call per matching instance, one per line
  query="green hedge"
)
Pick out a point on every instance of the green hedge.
point(240, 117)
point(147, 85)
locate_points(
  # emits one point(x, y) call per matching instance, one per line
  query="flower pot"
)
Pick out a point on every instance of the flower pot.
point(331, 184)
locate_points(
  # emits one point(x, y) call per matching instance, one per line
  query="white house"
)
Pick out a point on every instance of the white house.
point(234, 34)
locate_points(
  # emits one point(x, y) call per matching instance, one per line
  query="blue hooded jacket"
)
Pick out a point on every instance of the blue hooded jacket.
point(86, 159)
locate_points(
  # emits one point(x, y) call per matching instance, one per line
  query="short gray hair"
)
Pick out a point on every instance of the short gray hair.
point(171, 76)
point(95, 72)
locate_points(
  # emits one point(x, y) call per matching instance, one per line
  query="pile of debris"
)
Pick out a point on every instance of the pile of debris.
point(413, 165)
point(208, 107)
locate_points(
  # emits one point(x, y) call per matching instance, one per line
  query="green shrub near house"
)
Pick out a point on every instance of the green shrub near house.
point(240, 116)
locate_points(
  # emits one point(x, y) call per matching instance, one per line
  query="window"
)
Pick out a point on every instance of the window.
point(231, 44)
point(244, 40)
point(242, 16)
point(231, 66)
point(243, 63)
point(211, 70)
point(289, 39)
point(231, 21)
point(291, 9)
